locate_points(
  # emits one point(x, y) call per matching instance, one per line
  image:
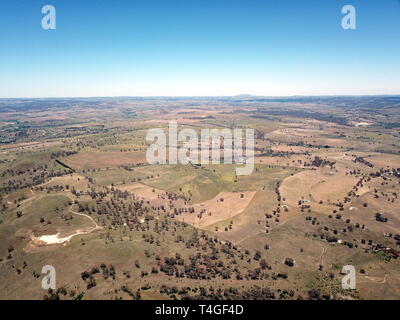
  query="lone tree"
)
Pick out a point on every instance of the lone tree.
point(289, 262)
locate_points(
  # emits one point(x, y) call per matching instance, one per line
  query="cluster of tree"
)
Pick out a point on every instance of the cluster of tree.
point(134, 295)
point(363, 161)
point(268, 152)
point(319, 162)
point(62, 154)
point(380, 217)
point(228, 293)
point(32, 178)
point(107, 272)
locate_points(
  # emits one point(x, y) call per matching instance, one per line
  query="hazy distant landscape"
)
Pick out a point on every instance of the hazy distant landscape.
point(77, 193)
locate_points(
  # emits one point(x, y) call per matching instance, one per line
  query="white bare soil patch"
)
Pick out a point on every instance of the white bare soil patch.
point(55, 238)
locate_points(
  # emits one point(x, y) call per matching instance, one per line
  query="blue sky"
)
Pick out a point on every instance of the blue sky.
point(199, 47)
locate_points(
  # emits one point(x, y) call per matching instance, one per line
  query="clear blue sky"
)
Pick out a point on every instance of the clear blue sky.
point(199, 47)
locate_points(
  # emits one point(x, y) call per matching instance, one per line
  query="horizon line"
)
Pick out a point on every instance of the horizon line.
point(201, 96)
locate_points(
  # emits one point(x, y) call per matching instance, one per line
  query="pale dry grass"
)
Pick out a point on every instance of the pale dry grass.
point(91, 160)
point(231, 206)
